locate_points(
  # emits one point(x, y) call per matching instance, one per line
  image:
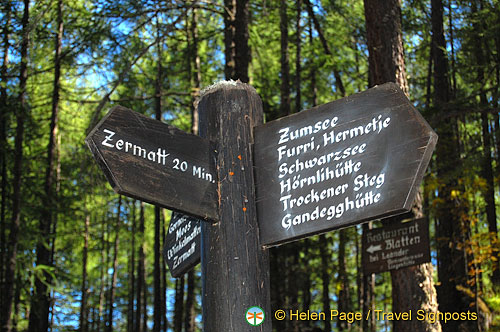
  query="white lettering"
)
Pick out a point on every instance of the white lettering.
point(284, 136)
point(108, 138)
point(119, 144)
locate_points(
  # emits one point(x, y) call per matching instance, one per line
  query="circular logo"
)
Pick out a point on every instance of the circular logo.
point(255, 316)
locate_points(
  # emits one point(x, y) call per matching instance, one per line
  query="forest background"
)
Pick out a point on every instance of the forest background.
point(75, 256)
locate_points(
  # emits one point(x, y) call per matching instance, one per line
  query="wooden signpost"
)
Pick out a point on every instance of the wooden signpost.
point(396, 246)
point(182, 244)
point(234, 266)
point(146, 159)
point(339, 164)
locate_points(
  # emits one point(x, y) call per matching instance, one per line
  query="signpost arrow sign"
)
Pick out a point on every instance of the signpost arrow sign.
point(399, 245)
point(182, 247)
point(146, 159)
point(339, 164)
point(352, 160)
point(371, 249)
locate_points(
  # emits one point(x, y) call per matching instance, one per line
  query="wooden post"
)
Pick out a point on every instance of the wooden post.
point(235, 268)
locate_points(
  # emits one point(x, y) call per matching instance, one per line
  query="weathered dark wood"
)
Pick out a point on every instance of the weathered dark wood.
point(182, 244)
point(372, 171)
point(235, 268)
point(396, 246)
point(163, 165)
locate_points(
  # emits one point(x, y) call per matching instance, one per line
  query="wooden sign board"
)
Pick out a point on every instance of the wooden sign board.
point(396, 246)
point(149, 160)
point(182, 244)
point(343, 163)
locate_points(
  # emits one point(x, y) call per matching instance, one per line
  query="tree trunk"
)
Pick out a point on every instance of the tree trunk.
point(291, 250)
point(114, 275)
point(144, 299)
point(242, 54)
point(157, 287)
point(157, 305)
point(131, 279)
point(141, 315)
point(412, 287)
point(40, 304)
point(368, 295)
point(359, 270)
point(164, 285)
point(237, 51)
point(344, 296)
point(385, 43)
point(103, 266)
point(497, 103)
point(298, 59)
point(17, 304)
point(103, 272)
point(190, 301)
point(325, 277)
point(21, 114)
point(53, 231)
point(282, 275)
point(305, 285)
point(285, 61)
point(294, 282)
point(179, 304)
point(428, 83)
point(276, 266)
point(83, 306)
point(452, 49)
point(451, 230)
point(312, 75)
point(229, 44)
point(197, 73)
point(3, 149)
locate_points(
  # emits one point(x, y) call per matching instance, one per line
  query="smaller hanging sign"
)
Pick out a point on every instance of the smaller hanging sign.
point(396, 246)
point(182, 244)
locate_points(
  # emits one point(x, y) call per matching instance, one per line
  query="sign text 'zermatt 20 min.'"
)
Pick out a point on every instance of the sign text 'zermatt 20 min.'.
point(352, 160)
point(155, 162)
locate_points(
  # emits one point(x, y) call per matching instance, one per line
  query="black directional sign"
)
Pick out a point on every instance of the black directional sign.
point(154, 162)
point(182, 244)
point(356, 159)
point(396, 246)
